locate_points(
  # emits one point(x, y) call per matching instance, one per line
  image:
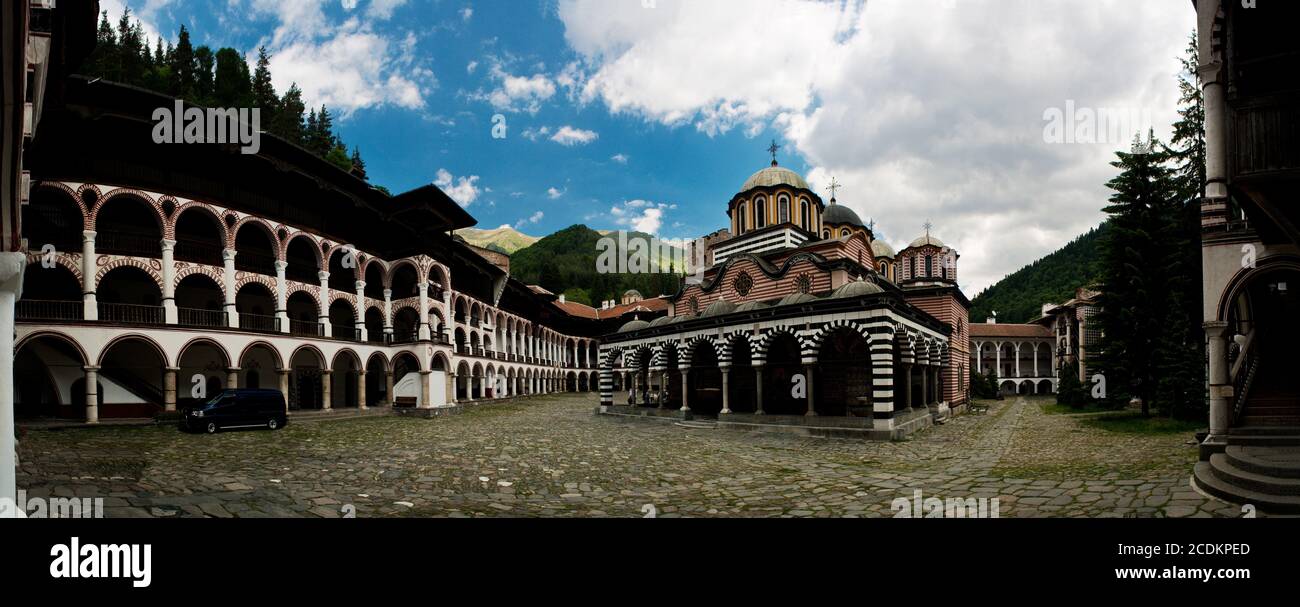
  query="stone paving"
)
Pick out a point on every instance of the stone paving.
point(551, 457)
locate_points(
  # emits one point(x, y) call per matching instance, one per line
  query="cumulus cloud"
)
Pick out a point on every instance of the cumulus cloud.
point(348, 66)
point(619, 158)
point(519, 93)
point(922, 110)
point(532, 219)
point(464, 190)
point(641, 215)
point(569, 136)
point(554, 193)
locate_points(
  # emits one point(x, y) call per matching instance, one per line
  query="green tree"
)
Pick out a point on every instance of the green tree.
point(104, 61)
point(1071, 391)
point(231, 84)
point(1134, 296)
point(204, 78)
point(184, 80)
point(288, 122)
point(264, 96)
point(358, 165)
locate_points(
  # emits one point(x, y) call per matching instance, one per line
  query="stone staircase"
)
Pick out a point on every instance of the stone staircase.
point(1260, 466)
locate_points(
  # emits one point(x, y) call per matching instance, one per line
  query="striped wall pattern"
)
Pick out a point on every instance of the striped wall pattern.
point(888, 337)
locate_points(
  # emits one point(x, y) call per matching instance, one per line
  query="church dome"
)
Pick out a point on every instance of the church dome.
point(880, 248)
point(752, 306)
point(635, 325)
point(796, 298)
point(837, 214)
point(926, 240)
point(774, 176)
point(661, 321)
point(719, 308)
point(857, 288)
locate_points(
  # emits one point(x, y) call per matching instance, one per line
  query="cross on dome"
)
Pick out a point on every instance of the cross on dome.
point(773, 150)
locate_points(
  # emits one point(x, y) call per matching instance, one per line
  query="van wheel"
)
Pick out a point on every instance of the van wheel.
point(273, 423)
point(212, 428)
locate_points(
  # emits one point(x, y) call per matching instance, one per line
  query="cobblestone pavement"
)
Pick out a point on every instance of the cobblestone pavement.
point(551, 456)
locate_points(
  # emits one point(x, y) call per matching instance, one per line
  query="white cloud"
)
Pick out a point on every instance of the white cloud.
point(349, 4)
point(467, 13)
point(569, 136)
point(464, 190)
point(554, 193)
point(519, 93)
point(924, 111)
point(534, 218)
point(471, 67)
point(619, 158)
point(348, 66)
point(641, 215)
point(383, 9)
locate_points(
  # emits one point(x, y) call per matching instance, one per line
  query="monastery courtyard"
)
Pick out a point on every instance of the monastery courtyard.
point(551, 456)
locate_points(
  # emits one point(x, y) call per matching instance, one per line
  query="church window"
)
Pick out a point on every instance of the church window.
point(845, 233)
point(783, 206)
point(826, 234)
point(760, 213)
point(911, 263)
point(803, 283)
point(929, 265)
point(804, 214)
point(743, 284)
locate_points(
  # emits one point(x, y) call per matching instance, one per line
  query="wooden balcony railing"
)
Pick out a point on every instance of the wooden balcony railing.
point(30, 310)
point(190, 317)
point(131, 313)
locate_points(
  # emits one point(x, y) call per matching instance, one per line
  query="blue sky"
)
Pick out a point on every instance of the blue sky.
point(649, 115)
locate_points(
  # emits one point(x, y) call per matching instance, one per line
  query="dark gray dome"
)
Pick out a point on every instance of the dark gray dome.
point(635, 325)
point(719, 308)
point(751, 306)
point(838, 214)
point(857, 288)
point(796, 298)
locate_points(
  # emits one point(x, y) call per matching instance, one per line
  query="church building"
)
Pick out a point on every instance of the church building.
point(803, 320)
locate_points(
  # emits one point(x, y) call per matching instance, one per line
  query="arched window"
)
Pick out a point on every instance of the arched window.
point(804, 214)
point(844, 233)
point(783, 209)
point(742, 217)
point(911, 263)
point(883, 268)
point(929, 265)
point(760, 213)
point(826, 234)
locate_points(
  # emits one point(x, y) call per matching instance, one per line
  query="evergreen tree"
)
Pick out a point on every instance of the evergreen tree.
point(358, 165)
point(288, 122)
point(1071, 391)
point(204, 79)
point(309, 131)
point(1181, 386)
point(1134, 295)
point(231, 85)
point(103, 61)
point(184, 81)
point(131, 50)
point(264, 96)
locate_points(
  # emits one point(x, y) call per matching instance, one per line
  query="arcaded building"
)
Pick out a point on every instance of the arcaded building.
point(803, 320)
point(157, 274)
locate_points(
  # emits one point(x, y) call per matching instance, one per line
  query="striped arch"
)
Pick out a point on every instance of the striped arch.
point(76, 197)
point(152, 267)
point(764, 342)
point(394, 266)
point(819, 338)
point(685, 362)
point(296, 287)
point(169, 228)
point(349, 297)
point(216, 274)
point(141, 194)
point(243, 279)
point(271, 232)
point(659, 360)
point(315, 247)
point(69, 261)
point(364, 267)
point(906, 345)
point(726, 343)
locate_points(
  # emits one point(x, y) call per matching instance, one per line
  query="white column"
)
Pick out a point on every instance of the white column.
point(979, 357)
point(1036, 359)
point(1219, 379)
point(388, 313)
point(423, 286)
point(361, 310)
point(325, 304)
point(232, 316)
point(998, 359)
point(89, 262)
point(170, 315)
point(12, 266)
point(91, 395)
point(1017, 359)
point(281, 297)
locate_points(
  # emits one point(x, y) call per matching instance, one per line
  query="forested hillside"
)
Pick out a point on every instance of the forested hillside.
point(565, 262)
point(1019, 298)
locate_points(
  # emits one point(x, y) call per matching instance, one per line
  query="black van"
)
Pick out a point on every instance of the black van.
point(237, 409)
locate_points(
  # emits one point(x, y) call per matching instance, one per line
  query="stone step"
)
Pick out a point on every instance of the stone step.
point(1278, 462)
point(1206, 480)
point(1253, 419)
point(698, 425)
point(1263, 482)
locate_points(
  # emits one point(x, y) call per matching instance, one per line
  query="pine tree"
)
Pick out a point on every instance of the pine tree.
point(309, 131)
point(131, 66)
point(103, 61)
point(204, 79)
point(288, 122)
point(184, 82)
point(264, 96)
point(231, 84)
point(1181, 387)
point(1134, 294)
point(358, 165)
